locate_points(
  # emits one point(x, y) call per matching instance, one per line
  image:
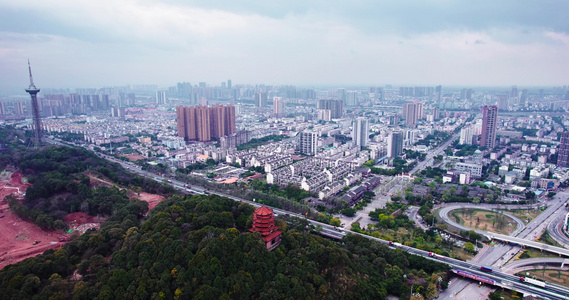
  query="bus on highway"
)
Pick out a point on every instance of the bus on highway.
point(486, 269)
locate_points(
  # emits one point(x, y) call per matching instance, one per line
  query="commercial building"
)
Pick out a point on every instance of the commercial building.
point(489, 124)
point(474, 168)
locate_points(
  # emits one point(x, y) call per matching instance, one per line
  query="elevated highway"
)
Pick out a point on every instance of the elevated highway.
point(443, 214)
point(500, 278)
point(536, 263)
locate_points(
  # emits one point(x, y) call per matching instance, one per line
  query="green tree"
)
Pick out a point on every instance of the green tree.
point(335, 222)
point(469, 247)
point(356, 227)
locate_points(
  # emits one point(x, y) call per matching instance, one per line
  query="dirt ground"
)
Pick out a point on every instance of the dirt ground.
point(17, 237)
point(96, 182)
point(20, 239)
point(134, 157)
point(152, 199)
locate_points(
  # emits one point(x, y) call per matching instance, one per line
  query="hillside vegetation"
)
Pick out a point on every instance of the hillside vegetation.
point(195, 247)
point(59, 186)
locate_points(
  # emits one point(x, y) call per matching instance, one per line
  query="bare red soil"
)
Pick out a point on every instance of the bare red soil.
point(134, 157)
point(152, 199)
point(20, 239)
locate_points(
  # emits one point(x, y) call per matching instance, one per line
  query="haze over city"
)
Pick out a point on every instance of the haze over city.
point(107, 43)
point(284, 150)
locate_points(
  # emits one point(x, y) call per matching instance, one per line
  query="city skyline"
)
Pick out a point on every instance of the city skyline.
point(75, 44)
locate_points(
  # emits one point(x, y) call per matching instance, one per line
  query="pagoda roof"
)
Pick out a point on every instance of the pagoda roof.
point(264, 211)
point(271, 236)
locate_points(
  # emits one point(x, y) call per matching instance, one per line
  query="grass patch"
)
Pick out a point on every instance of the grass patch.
point(524, 214)
point(545, 238)
point(555, 276)
point(532, 253)
point(484, 220)
point(459, 253)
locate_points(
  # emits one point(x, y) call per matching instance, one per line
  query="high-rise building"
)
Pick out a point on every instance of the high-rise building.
point(466, 135)
point(438, 91)
point(229, 83)
point(503, 103)
point(161, 97)
point(18, 108)
point(514, 92)
point(278, 107)
point(360, 132)
point(118, 112)
point(436, 113)
point(351, 98)
point(523, 98)
point(394, 120)
point(563, 156)
point(202, 123)
point(261, 99)
point(412, 112)
point(324, 114)
point(410, 137)
point(308, 142)
point(336, 107)
point(466, 94)
point(222, 120)
point(2, 108)
point(394, 144)
point(184, 89)
point(489, 124)
point(341, 94)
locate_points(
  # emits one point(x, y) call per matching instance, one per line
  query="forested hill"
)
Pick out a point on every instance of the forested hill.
point(60, 186)
point(198, 247)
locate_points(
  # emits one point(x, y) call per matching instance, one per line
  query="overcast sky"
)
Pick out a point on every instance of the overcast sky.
point(87, 43)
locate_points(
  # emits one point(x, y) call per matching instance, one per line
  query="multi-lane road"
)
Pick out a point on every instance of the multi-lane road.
point(439, 150)
point(555, 230)
point(500, 278)
point(522, 235)
point(443, 214)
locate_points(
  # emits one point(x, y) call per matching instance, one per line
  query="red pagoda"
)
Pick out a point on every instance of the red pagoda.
point(264, 223)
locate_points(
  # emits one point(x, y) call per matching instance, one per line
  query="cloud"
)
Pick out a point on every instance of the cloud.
point(96, 43)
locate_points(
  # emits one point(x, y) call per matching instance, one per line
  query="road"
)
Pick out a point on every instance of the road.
point(383, 197)
point(443, 214)
point(332, 232)
point(499, 254)
point(413, 213)
point(501, 278)
point(535, 264)
point(555, 230)
point(439, 150)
